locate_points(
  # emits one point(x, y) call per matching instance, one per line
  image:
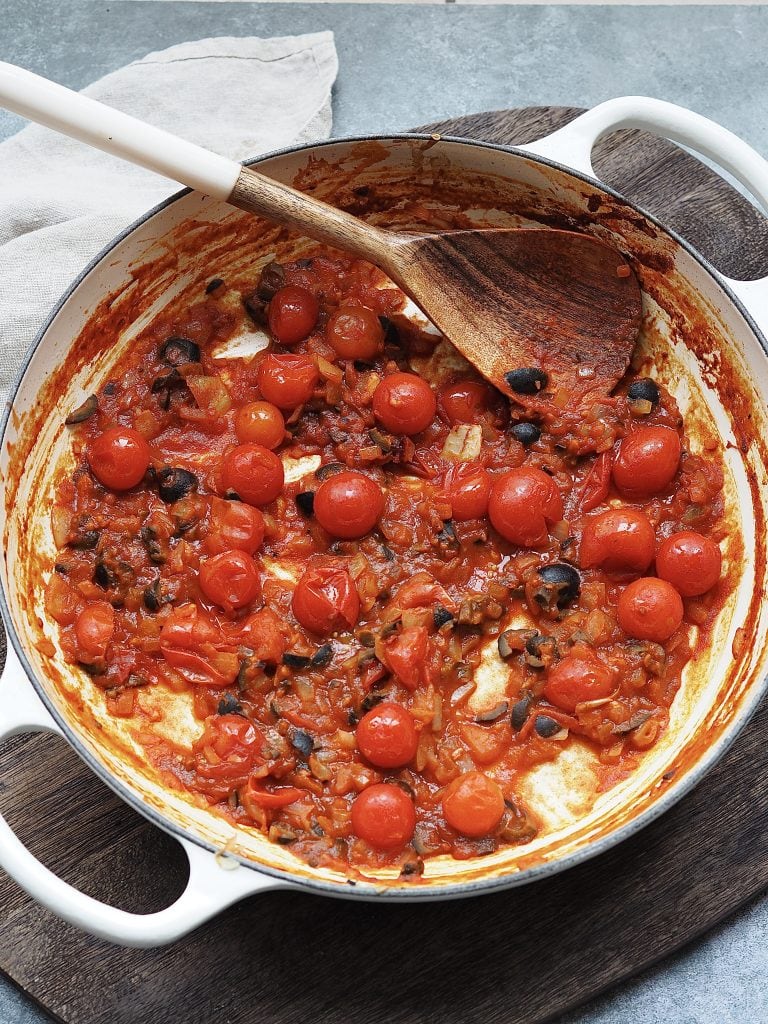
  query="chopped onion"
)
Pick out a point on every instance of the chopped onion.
point(464, 442)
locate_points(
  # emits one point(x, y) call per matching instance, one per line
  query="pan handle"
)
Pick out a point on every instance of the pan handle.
point(214, 882)
point(572, 145)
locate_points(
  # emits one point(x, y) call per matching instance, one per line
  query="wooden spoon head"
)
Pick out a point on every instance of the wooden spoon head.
point(557, 301)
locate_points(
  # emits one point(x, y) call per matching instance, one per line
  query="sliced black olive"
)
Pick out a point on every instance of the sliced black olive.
point(229, 705)
point(305, 502)
point(528, 380)
point(557, 586)
point(296, 660)
point(110, 388)
point(302, 741)
point(103, 577)
point(362, 366)
point(441, 616)
point(85, 541)
point(541, 651)
point(388, 553)
point(321, 656)
point(546, 726)
point(493, 713)
point(217, 282)
point(520, 711)
point(330, 469)
point(271, 280)
point(643, 389)
point(173, 484)
point(382, 440)
point(513, 641)
point(256, 308)
point(155, 550)
point(152, 597)
point(447, 534)
point(177, 351)
point(370, 701)
point(83, 412)
point(526, 433)
point(167, 382)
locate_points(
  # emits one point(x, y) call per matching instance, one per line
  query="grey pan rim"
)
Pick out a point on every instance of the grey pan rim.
point(367, 891)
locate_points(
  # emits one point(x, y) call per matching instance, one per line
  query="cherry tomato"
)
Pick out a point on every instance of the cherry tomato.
point(262, 633)
point(420, 591)
point(405, 654)
point(465, 401)
point(647, 461)
point(650, 609)
point(188, 628)
point(287, 380)
point(619, 540)
point(404, 403)
point(326, 599)
point(254, 473)
point(473, 804)
point(119, 458)
point(576, 679)
point(271, 799)
point(355, 332)
point(260, 423)
point(468, 487)
point(384, 817)
point(230, 580)
point(94, 627)
point(597, 483)
point(234, 526)
point(524, 502)
point(348, 505)
point(690, 562)
point(293, 312)
point(234, 746)
point(387, 736)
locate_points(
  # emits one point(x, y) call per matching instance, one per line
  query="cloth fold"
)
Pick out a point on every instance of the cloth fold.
point(61, 202)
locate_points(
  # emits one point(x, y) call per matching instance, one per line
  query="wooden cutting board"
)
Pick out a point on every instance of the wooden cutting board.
point(517, 957)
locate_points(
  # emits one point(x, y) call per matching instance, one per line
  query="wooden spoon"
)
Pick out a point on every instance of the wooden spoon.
point(534, 309)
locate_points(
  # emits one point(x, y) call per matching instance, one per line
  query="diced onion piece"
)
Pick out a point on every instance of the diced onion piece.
point(328, 371)
point(464, 442)
point(210, 394)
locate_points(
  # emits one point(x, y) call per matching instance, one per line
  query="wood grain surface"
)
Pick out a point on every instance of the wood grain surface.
point(518, 957)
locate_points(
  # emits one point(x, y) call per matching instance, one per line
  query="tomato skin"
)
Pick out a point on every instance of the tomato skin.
point(326, 599)
point(384, 817)
point(236, 744)
point(188, 628)
point(287, 380)
point(647, 461)
point(348, 505)
point(119, 458)
point(260, 423)
point(619, 540)
point(465, 401)
point(468, 488)
point(690, 562)
point(650, 609)
point(576, 679)
point(230, 580)
point(387, 736)
point(235, 526)
point(293, 313)
point(404, 403)
point(270, 799)
point(597, 483)
point(355, 332)
point(405, 654)
point(262, 632)
point(524, 502)
point(254, 473)
point(473, 804)
point(94, 627)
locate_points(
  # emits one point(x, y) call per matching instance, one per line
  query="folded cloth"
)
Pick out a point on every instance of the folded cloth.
point(61, 202)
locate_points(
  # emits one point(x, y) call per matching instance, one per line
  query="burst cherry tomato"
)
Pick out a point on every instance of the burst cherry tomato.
point(387, 736)
point(94, 627)
point(355, 332)
point(523, 504)
point(620, 540)
point(647, 461)
point(254, 473)
point(690, 562)
point(465, 401)
point(262, 632)
point(119, 458)
point(230, 580)
point(235, 526)
point(577, 679)
point(383, 815)
point(468, 488)
point(405, 654)
point(597, 483)
point(326, 599)
point(404, 403)
point(348, 505)
point(473, 804)
point(260, 423)
point(650, 609)
point(287, 380)
point(292, 314)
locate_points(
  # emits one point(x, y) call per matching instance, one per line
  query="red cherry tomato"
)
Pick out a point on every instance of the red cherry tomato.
point(690, 562)
point(348, 505)
point(387, 736)
point(597, 483)
point(405, 654)
point(262, 632)
point(260, 423)
point(384, 817)
point(647, 461)
point(230, 580)
point(287, 380)
point(326, 599)
point(119, 458)
point(620, 540)
point(94, 627)
point(473, 804)
point(404, 403)
point(355, 332)
point(465, 401)
point(293, 312)
point(468, 487)
point(254, 473)
point(188, 628)
point(270, 799)
point(234, 746)
point(523, 504)
point(650, 609)
point(577, 679)
point(234, 526)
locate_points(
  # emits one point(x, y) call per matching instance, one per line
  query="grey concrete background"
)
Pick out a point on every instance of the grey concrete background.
point(401, 66)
